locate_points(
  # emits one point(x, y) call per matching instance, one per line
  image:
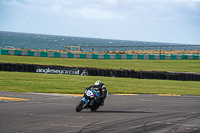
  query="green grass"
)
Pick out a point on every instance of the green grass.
point(57, 83)
point(60, 83)
point(149, 65)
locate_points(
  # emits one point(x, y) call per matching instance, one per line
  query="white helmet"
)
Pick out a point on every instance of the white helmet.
point(97, 84)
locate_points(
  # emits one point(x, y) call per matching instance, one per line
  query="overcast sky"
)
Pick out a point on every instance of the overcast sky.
point(171, 21)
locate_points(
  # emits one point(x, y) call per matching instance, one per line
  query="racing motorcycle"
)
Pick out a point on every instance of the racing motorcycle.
point(90, 101)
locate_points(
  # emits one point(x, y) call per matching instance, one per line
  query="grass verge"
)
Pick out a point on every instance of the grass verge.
point(73, 84)
point(148, 65)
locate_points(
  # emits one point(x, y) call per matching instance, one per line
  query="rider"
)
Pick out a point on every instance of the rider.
point(101, 88)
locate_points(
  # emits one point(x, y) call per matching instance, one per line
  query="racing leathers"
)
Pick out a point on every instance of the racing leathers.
point(102, 91)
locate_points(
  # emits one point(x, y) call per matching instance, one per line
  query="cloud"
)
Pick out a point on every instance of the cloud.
point(92, 13)
point(105, 9)
point(122, 19)
point(110, 3)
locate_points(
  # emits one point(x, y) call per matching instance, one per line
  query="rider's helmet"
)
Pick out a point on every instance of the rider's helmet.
point(97, 84)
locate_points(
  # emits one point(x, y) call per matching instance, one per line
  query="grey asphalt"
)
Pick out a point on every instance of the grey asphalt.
point(131, 114)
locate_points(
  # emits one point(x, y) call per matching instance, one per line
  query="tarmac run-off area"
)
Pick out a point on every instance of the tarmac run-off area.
point(53, 113)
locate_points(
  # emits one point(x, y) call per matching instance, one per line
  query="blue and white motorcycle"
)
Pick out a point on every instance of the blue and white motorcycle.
point(90, 101)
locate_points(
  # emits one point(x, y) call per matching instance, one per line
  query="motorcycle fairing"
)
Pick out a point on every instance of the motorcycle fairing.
point(84, 100)
point(95, 92)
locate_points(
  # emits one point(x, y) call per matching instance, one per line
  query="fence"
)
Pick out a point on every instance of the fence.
point(100, 56)
point(130, 48)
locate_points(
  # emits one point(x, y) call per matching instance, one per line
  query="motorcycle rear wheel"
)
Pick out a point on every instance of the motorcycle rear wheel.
point(79, 107)
point(94, 108)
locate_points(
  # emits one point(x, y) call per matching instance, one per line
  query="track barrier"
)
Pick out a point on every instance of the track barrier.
point(183, 76)
point(99, 56)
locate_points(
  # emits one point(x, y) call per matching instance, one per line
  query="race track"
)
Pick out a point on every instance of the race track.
point(53, 113)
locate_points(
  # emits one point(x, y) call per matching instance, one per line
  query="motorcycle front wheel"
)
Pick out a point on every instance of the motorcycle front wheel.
point(79, 107)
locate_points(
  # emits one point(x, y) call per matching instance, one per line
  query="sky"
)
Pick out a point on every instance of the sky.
point(169, 21)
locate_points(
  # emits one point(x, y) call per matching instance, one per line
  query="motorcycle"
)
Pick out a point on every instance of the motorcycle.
point(90, 101)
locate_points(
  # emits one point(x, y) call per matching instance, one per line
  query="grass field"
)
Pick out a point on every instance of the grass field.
point(149, 65)
point(57, 83)
point(60, 83)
